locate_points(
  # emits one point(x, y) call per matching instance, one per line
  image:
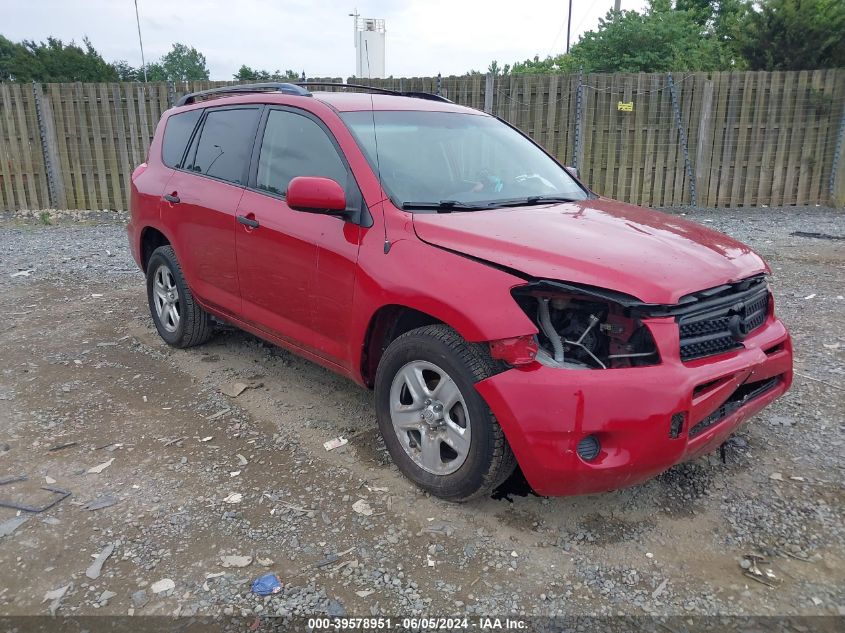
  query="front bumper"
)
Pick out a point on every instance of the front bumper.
point(545, 412)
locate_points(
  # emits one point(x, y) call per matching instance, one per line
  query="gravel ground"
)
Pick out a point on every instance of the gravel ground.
point(199, 493)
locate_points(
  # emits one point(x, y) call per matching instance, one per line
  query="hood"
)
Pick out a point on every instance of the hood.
point(653, 256)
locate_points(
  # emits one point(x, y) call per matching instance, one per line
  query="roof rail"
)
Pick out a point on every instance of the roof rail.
point(284, 88)
point(399, 93)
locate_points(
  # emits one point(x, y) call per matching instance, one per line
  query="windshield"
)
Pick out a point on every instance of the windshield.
point(455, 161)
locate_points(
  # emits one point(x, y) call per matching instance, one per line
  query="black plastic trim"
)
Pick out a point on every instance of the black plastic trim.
point(386, 91)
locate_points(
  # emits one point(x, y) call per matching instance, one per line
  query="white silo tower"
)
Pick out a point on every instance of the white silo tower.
point(369, 47)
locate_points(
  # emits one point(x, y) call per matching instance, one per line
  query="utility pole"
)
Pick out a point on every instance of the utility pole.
point(141, 42)
point(617, 5)
point(568, 26)
point(355, 15)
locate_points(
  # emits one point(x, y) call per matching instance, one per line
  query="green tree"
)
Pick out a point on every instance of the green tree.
point(126, 72)
point(52, 61)
point(182, 63)
point(795, 35)
point(691, 35)
point(723, 21)
point(660, 39)
point(245, 73)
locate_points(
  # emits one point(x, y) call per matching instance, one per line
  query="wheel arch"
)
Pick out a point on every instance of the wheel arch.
point(386, 324)
point(150, 239)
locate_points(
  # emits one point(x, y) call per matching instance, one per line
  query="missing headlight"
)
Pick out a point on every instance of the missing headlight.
point(585, 330)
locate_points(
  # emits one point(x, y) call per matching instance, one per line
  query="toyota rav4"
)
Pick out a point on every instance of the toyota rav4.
point(503, 313)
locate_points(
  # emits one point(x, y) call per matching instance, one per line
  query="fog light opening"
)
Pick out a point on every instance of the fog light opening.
point(676, 426)
point(588, 448)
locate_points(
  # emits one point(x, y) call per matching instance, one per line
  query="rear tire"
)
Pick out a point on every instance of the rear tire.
point(179, 319)
point(438, 429)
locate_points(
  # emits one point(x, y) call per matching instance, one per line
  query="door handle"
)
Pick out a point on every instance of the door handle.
point(172, 198)
point(250, 222)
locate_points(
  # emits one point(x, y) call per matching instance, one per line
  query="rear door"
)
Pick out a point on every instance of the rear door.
point(201, 200)
point(296, 269)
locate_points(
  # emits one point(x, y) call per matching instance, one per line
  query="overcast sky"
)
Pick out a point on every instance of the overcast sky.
point(424, 37)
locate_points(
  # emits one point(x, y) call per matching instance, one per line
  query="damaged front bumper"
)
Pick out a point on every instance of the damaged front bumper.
point(646, 419)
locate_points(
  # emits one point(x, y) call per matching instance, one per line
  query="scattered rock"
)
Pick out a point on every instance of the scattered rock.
point(95, 470)
point(96, 568)
point(234, 389)
point(55, 597)
point(105, 597)
point(140, 598)
point(335, 609)
point(10, 525)
point(101, 502)
point(235, 561)
point(362, 506)
point(163, 585)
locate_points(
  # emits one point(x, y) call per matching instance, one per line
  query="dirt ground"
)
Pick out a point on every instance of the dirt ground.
point(190, 477)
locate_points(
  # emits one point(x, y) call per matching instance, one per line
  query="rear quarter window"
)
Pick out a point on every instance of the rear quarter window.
point(177, 133)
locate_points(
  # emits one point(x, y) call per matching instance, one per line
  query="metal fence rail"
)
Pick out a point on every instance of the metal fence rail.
point(719, 139)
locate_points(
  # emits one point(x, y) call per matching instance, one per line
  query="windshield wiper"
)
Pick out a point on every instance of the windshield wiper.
point(530, 200)
point(444, 206)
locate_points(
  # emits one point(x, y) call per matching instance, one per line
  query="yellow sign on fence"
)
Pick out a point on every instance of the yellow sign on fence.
point(625, 107)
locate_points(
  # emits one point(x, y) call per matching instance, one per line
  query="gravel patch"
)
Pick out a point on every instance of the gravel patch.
point(200, 479)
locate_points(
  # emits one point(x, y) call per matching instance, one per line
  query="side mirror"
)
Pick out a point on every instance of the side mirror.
point(316, 195)
point(572, 171)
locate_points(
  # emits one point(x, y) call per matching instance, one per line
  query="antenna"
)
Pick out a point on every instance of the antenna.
point(378, 162)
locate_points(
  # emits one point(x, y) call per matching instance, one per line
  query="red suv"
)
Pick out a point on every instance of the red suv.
point(503, 313)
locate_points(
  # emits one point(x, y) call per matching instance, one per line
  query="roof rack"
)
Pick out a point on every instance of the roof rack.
point(284, 88)
point(399, 93)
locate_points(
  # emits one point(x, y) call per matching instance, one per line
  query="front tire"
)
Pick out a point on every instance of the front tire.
point(179, 319)
point(438, 429)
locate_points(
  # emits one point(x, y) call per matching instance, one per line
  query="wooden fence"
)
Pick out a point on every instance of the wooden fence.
point(719, 139)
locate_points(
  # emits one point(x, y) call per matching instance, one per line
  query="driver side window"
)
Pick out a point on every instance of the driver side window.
point(294, 145)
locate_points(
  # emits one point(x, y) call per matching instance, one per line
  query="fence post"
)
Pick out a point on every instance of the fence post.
point(704, 147)
point(439, 84)
point(171, 94)
point(837, 174)
point(489, 83)
point(682, 136)
point(49, 149)
point(579, 98)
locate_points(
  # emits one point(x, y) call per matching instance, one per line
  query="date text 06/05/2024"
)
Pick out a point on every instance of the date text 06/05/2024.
point(428, 623)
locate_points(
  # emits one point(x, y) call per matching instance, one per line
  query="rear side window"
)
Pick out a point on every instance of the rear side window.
point(177, 133)
point(294, 145)
point(225, 144)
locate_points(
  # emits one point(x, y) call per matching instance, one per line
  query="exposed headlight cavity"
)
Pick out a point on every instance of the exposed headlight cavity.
point(584, 329)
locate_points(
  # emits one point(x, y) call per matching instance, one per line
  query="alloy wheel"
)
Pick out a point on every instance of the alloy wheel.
point(430, 417)
point(166, 298)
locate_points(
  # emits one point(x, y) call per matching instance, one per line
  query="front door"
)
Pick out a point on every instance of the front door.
point(296, 269)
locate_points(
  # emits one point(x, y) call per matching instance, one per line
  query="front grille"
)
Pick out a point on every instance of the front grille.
point(738, 398)
point(717, 321)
